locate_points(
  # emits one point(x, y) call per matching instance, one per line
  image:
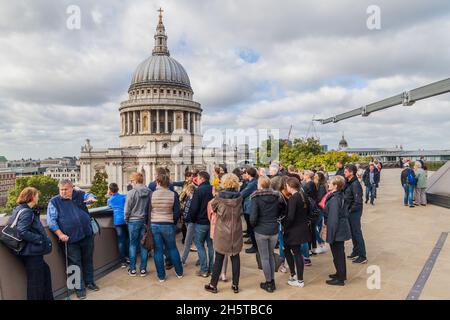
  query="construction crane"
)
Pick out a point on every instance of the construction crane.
point(289, 134)
point(407, 98)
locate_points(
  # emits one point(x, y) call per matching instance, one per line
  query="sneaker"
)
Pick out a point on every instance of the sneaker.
point(296, 283)
point(307, 262)
point(210, 288)
point(282, 268)
point(193, 249)
point(81, 294)
point(93, 287)
point(323, 249)
point(293, 277)
point(123, 265)
point(202, 274)
point(179, 277)
point(335, 282)
point(360, 260)
point(132, 273)
point(161, 280)
point(266, 286)
point(272, 284)
point(143, 273)
point(235, 288)
point(353, 256)
point(251, 250)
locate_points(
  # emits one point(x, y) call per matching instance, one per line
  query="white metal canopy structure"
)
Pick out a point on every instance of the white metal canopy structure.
point(407, 98)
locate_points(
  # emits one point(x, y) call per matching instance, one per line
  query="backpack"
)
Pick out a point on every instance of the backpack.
point(313, 209)
point(411, 179)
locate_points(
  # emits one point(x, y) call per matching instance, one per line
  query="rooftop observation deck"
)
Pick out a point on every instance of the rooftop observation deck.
point(399, 241)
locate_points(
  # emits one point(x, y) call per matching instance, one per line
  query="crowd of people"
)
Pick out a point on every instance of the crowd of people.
point(414, 183)
point(296, 212)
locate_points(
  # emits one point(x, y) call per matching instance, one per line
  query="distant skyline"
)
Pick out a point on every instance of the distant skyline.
point(252, 64)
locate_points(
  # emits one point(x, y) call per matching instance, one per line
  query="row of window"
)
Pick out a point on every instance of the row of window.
point(167, 92)
point(63, 175)
point(7, 176)
point(129, 124)
point(7, 182)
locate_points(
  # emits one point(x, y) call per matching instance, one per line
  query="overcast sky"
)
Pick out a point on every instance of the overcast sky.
point(252, 64)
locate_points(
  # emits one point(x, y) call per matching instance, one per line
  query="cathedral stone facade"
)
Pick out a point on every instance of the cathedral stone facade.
point(160, 123)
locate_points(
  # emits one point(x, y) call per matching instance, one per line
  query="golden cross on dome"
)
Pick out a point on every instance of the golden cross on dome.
point(160, 10)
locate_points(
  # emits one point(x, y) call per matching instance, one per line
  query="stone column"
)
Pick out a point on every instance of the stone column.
point(157, 122)
point(189, 122)
point(166, 122)
point(128, 123)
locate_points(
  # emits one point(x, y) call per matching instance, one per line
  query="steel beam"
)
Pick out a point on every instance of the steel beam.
point(406, 98)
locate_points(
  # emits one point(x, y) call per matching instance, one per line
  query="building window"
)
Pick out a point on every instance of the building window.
point(153, 118)
point(155, 91)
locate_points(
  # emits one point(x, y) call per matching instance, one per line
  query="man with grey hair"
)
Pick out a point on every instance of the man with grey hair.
point(68, 217)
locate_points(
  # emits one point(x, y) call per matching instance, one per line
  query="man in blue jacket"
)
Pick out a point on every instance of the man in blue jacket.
point(199, 216)
point(371, 179)
point(68, 217)
point(250, 175)
point(117, 202)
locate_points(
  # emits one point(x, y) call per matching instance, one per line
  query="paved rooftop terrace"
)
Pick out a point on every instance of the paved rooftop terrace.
point(398, 239)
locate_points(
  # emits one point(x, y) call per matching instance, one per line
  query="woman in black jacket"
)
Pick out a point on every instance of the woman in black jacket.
point(266, 208)
point(296, 232)
point(337, 229)
point(30, 230)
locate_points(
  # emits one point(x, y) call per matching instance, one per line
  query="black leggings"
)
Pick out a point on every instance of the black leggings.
point(295, 260)
point(218, 262)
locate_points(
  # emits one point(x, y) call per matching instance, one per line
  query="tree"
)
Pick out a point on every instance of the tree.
point(48, 187)
point(99, 189)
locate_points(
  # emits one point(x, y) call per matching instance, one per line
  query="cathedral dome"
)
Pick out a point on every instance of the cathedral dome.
point(161, 69)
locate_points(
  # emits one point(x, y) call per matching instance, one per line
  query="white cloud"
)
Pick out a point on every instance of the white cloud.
point(314, 59)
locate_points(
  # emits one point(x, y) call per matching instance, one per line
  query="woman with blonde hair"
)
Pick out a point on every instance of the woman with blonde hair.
point(337, 229)
point(37, 244)
point(227, 207)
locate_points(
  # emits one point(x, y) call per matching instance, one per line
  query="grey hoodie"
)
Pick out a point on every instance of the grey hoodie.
point(136, 206)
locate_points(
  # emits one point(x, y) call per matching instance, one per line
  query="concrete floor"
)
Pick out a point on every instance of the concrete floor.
point(399, 240)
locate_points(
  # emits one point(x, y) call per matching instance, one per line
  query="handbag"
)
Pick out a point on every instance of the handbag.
point(10, 235)
point(95, 226)
point(147, 239)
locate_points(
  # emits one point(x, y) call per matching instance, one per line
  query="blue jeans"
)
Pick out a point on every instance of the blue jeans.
point(318, 228)
point(190, 231)
point(164, 240)
point(201, 236)
point(81, 254)
point(136, 230)
point(122, 242)
point(304, 249)
point(409, 193)
point(371, 190)
point(280, 242)
point(359, 246)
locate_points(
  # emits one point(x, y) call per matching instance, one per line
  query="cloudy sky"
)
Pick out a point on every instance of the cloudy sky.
point(252, 64)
